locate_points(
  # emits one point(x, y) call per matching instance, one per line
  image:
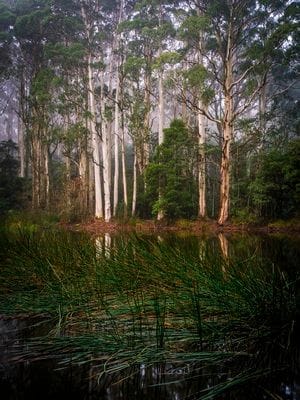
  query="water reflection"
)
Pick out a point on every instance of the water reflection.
point(224, 245)
point(103, 245)
point(44, 379)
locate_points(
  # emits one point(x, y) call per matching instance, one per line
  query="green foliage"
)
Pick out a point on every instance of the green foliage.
point(276, 188)
point(41, 86)
point(32, 26)
point(199, 78)
point(7, 18)
point(169, 57)
point(192, 27)
point(133, 66)
point(11, 186)
point(68, 56)
point(170, 183)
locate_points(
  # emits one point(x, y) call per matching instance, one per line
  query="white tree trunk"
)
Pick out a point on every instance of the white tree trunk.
point(95, 137)
point(201, 140)
point(161, 108)
point(95, 144)
point(116, 143)
point(202, 163)
point(124, 179)
point(134, 185)
point(161, 111)
point(105, 157)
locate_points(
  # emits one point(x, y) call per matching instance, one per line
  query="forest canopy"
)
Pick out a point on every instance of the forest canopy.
point(152, 109)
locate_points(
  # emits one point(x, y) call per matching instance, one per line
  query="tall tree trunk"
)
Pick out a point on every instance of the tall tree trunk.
point(21, 126)
point(117, 109)
point(161, 110)
point(95, 144)
point(227, 134)
point(134, 191)
point(201, 140)
point(146, 138)
point(68, 183)
point(46, 177)
point(124, 179)
point(116, 143)
point(262, 104)
point(161, 107)
point(92, 108)
point(83, 170)
point(35, 167)
point(21, 146)
point(202, 164)
point(105, 156)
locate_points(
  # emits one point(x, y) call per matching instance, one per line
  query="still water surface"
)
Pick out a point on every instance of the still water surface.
point(50, 379)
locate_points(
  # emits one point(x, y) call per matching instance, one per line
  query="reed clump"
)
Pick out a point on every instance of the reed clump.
point(143, 302)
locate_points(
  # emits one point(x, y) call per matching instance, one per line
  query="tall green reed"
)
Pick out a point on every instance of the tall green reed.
point(146, 302)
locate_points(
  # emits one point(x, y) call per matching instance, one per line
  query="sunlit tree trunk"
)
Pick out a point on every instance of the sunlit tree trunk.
point(227, 133)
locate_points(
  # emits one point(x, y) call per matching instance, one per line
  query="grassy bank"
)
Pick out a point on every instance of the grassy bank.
point(97, 226)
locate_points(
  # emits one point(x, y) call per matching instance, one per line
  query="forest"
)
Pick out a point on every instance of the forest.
point(149, 200)
point(150, 109)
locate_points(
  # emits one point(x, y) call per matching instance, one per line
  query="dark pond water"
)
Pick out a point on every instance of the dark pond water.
point(50, 378)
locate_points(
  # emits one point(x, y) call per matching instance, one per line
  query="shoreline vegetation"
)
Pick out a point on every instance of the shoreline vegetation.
point(96, 226)
point(197, 226)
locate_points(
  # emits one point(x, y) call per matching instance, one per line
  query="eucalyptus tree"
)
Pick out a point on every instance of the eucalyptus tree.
point(7, 19)
point(194, 32)
point(147, 30)
point(238, 62)
point(100, 21)
point(139, 29)
point(87, 12)
point(31, 30)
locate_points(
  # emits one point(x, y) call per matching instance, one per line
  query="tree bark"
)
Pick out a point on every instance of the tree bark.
point(124, 179)
point(161, 112)
point(105, 156)
point(227, 133)
point(95, 144)
point(21, 147)
point(202, 164)
point(116, 143)
point(134, 184)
